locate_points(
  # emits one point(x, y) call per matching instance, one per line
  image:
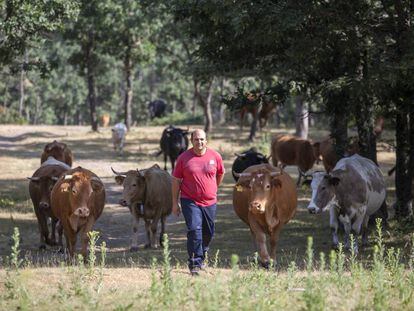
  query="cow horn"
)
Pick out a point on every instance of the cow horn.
point(242, 174)
point(273, 174)
point(139, 173)
point(33, 178)
point(239, 154)
point(55, 178)
point(67, 177)
point(119, 173)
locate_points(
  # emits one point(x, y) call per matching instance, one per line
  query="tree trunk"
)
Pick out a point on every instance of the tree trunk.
point(21, 85)
point(364, 116)
point(205, 102)
point(337, 104)
point(403, 179)
point(253, 126)
point(301, 117)
point(195, 97)
point(128, 89)
point(90, 74)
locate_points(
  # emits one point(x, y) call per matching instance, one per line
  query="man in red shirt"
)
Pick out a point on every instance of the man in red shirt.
point(198, 173)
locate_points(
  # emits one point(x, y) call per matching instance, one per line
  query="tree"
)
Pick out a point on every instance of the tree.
point(127, 37)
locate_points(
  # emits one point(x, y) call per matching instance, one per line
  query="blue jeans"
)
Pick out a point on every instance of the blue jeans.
point(200, 230)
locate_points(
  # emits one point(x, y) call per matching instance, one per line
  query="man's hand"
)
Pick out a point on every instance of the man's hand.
point(176, 209)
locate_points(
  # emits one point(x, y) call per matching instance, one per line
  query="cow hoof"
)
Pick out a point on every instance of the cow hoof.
point(133, 249)
point(265, 265)
point(42, 247)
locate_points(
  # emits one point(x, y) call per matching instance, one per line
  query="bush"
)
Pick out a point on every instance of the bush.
point(9, 116)
point(179, 118)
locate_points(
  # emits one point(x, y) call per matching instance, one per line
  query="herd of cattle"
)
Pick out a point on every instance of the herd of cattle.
point(264, 196)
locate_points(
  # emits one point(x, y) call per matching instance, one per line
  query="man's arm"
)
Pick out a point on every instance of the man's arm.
point(175, 190)
point(219, 179)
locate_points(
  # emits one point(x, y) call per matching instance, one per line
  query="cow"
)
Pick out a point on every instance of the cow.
point(156, 108)
point(59, 151)
point(40, 187)
point(263, 111)
point(78, 199)
point(118, 136)
point(173, 142)
point(324, 151)
point(245, 159)
point(147, 193)
point(292, 150)
point(354, 190)
point(265, 199)
point(105, 119)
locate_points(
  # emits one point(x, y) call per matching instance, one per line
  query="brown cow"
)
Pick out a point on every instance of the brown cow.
point(265, 199)
point(40, 186)
point(105, 119)
point(59, 151)
point(78, 199)
point(292, 150)
point(147, 193)
point(324, 151)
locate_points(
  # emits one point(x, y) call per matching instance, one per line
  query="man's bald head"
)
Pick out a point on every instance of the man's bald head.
point(199, 141)
point(198, 132)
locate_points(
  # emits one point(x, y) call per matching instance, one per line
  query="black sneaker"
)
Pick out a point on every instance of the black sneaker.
point(195, 271)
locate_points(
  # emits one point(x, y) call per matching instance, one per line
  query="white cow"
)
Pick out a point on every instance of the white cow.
point(118, 136)
point(354, 190)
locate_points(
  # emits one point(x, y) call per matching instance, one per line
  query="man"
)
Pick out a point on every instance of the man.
point(198, 173)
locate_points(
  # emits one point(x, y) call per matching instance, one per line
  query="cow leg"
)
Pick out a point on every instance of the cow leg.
point(365, 231)
point(43, 229)
point(346, 222)
point(162, 231)
point(53, 235)
point(260, 238)
point(154, 226)
point(71, 243)
point(135, 221)
point(300, 174)
point(165, 161)
point(172, 159)
point(333, 223)
point(274, 237)
point(148, 230)
point(60, 233)
point(85, 238)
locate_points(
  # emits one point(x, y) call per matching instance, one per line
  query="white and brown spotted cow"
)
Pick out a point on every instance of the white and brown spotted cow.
point(265, 199)
point(354, 190)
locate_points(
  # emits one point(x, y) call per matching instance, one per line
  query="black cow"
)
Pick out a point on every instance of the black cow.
point(246, 159)
point(156, 108)
point(174, 141)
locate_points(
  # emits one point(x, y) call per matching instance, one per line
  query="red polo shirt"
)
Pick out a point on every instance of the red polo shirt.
point(198, 174)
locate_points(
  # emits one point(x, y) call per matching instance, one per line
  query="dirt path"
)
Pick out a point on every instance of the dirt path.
point(20, 149)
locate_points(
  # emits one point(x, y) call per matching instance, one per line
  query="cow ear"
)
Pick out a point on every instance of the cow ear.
point(119, 180)
point(242, 184)
point(96, 184)
point(334, 181)
point(276, 183)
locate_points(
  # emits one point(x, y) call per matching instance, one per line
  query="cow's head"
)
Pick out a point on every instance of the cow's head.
point(261, 186)
point(134, 186)
point(79, 187)
point(247, 159)
point(45, 185)
point(323, 192)
point(177, 138)
point(56, 150)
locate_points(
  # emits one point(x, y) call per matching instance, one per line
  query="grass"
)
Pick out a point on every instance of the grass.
point(307, 274)
point(343, 283)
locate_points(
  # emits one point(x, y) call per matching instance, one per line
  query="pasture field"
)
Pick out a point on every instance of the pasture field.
point(158, 279)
